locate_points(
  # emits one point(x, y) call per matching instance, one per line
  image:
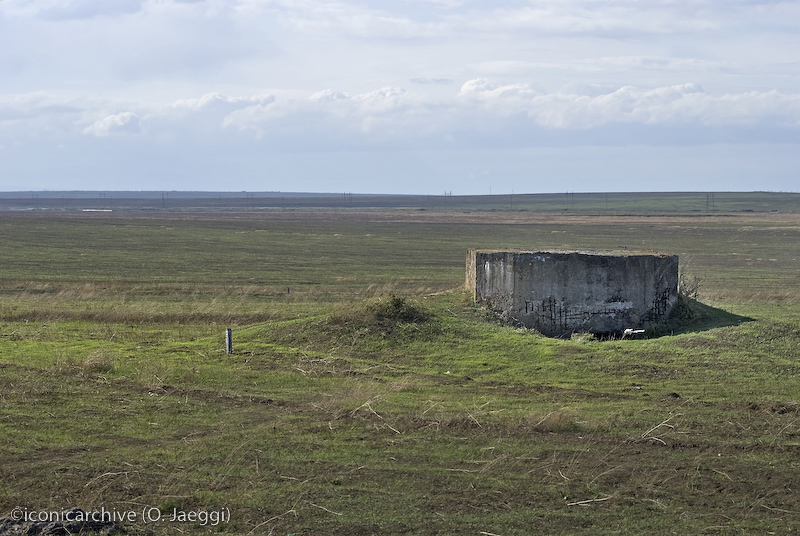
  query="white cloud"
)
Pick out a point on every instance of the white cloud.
point(332, 113)
point(216, 102)
point(115, 124)
point(486, 89)
point(666, 106)
point(328, 95)
point(481, 111)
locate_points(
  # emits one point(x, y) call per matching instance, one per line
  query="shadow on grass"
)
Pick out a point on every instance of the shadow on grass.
point(692, 316)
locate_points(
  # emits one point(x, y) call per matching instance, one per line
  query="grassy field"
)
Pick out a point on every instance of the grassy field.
point(366, 395)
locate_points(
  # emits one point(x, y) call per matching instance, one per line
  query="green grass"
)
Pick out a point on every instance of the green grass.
point(373, 398)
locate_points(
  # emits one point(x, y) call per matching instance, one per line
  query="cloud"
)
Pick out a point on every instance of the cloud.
point(489, 114)
point(482, 88)
point(333, 118)
point(481, 114)
point(124, 123)
point(218, 103)
point(683, 104)
point(329, 95)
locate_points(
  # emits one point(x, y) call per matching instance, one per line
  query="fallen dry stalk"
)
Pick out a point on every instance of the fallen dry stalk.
point(588, 501)
point(273, 518)
point(648, 435)
point(323, 508)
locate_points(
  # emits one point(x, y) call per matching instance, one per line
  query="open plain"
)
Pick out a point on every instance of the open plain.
point(366, 394)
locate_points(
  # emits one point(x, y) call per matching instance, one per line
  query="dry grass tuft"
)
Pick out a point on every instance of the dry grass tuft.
point(98, 362)
point(556, 421)
point(65, 364)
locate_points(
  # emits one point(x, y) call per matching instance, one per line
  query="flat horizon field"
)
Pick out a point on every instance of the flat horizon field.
point(366, 394)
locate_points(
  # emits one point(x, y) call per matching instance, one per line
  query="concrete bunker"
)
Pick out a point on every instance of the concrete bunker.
point(559, 293)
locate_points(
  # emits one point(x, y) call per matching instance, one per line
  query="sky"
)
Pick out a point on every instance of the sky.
point(400, 96)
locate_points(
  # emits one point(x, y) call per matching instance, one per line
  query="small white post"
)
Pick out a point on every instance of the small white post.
point(228, 341)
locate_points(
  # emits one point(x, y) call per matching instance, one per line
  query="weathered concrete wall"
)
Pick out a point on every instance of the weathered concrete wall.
point(559, 293)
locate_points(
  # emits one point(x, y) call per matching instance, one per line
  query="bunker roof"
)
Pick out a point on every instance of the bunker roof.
point(602, 253)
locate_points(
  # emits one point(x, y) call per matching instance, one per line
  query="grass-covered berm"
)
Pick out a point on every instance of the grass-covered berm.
point(366, 394)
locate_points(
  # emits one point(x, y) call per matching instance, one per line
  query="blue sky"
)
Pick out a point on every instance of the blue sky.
point(402, 96)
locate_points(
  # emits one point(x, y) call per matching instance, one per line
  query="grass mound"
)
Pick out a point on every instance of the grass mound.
point(392, 315)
